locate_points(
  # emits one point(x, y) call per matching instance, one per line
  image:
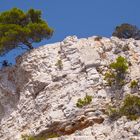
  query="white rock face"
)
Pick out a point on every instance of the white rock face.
point(38, 95)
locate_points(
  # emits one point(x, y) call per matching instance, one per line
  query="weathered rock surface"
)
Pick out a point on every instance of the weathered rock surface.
point(39, 94)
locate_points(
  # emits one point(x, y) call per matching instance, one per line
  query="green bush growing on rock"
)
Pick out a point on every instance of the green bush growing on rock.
point(26, 137)
point(53, 135)
point(83, 102)
point(120, 66)
point(130, 108)
point(117, 71)
point(134, 84)
point(113, 113)
point(110, 77)
point(59, 64)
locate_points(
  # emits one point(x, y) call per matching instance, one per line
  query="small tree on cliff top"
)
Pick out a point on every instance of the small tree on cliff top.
point(20, 28)
point(127, 31)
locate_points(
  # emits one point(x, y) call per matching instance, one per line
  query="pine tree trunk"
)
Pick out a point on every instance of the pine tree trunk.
point(29, 45)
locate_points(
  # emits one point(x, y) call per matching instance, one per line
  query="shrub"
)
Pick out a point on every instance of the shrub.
point(113, 113)
point(98, 38)
point(26, 137)
point(110, 77)
point(83, 102)
point(134, 84)
point(120, 66)
point(53, 135)
point(59, 64)
point(116, 74)
point(126, 31)
point(5, 63)
point(125, 48)
point(129, 108)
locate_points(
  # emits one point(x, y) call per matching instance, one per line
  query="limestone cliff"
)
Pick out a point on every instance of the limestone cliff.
point(39, 94)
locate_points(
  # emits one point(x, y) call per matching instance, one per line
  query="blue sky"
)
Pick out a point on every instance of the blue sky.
point(83, 18)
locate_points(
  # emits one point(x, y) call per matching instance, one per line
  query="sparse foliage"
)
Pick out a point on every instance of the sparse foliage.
point(45, 137)
point(59, 64)
point(110, 77)
point(83, 102)
point(134, 84)
point(129, 108)
point(53, 135)
point(120, 66)
point(98, 38)
point(113, 113)
point(117, 71)
point(22, 28)
point(26, 137)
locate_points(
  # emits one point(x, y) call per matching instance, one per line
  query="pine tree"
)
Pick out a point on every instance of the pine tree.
point(19, 28)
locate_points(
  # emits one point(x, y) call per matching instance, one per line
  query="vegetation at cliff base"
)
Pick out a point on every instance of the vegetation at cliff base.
point(130, 108)
point(45, 137)
point(18, 28)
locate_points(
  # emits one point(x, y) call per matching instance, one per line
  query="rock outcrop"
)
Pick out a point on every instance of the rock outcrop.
point(39, 94)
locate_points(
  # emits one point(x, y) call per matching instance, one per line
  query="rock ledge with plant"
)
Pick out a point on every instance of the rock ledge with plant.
point(77, 89)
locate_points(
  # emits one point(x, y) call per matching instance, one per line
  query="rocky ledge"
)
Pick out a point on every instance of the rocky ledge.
point(39, 94)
